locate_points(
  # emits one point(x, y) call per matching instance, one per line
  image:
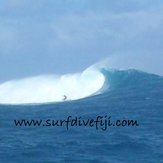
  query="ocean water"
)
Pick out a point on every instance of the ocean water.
point(125, 95)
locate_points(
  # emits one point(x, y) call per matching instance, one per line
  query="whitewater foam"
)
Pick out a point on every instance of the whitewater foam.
point(51, 88)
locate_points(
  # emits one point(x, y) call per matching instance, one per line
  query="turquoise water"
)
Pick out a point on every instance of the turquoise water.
point(130, 95)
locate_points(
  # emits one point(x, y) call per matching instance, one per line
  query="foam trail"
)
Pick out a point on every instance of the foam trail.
point(51, 88)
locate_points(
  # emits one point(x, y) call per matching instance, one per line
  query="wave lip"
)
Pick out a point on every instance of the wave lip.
point(51, 88)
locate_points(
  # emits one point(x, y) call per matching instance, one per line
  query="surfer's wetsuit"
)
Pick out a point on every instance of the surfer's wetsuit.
point(64, 97)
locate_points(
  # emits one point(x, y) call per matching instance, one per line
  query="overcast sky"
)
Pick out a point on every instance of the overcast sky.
point(64, 36)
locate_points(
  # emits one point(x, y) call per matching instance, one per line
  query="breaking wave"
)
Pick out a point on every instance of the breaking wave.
point(97, 79)
point(51, 88)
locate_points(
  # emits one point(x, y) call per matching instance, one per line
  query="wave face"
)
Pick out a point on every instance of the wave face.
point(131, 78)
point(51, 88)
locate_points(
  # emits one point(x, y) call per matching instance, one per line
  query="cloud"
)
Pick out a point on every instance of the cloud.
point(49, 34)
point(72, 29)
point(8, 39)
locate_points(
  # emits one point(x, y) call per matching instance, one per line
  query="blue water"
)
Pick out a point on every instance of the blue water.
point(130, 94)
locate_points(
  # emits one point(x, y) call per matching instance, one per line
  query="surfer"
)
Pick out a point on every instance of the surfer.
point(64, 97)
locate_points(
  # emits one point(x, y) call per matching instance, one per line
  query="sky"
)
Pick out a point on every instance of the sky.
point(67, 36)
